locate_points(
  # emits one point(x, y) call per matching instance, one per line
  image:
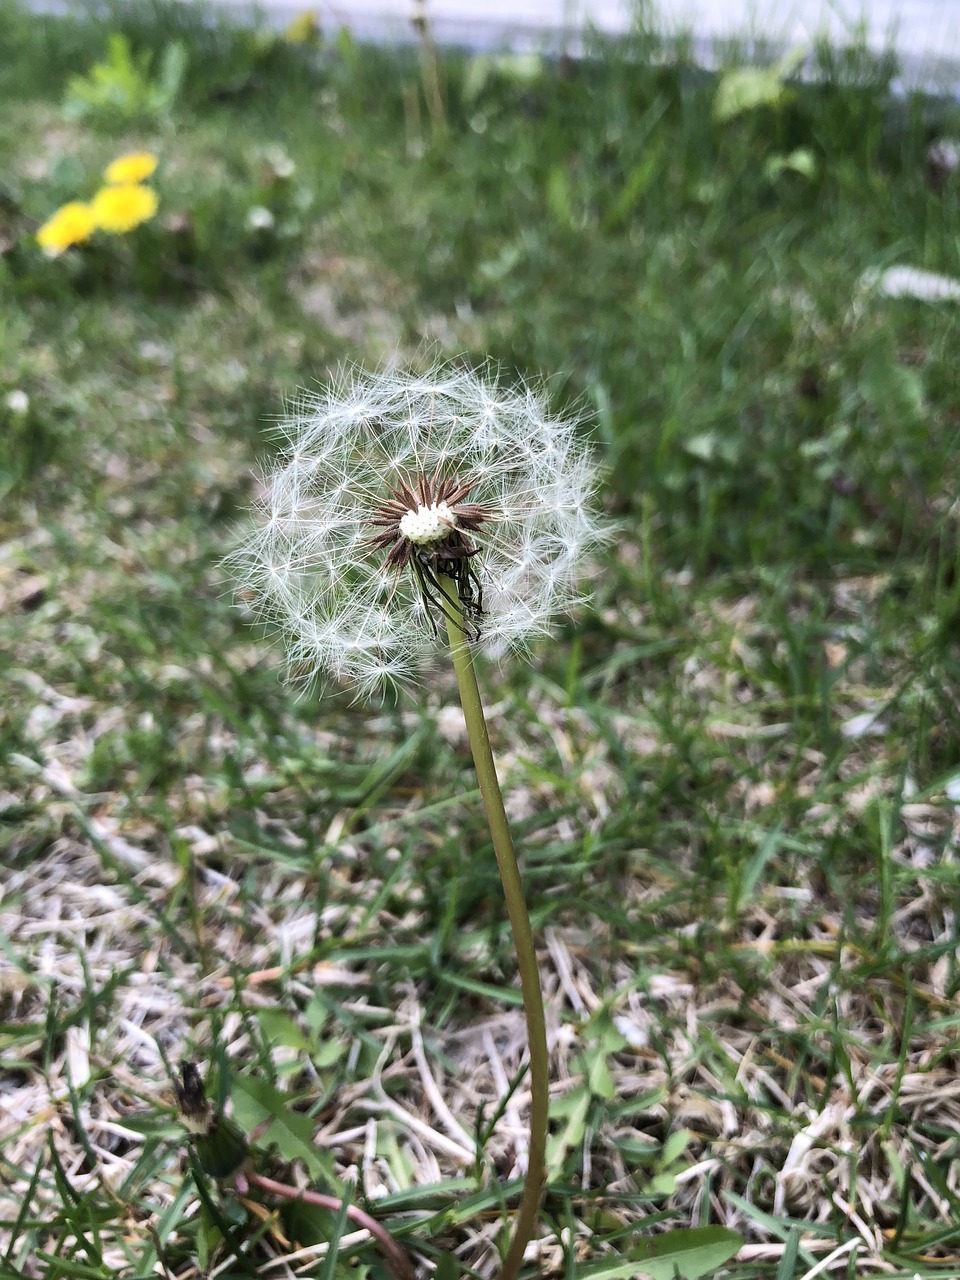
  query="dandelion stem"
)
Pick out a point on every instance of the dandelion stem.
point(526, 1219)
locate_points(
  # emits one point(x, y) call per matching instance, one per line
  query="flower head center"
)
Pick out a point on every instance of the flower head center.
point(424, 524)
point(428, 523)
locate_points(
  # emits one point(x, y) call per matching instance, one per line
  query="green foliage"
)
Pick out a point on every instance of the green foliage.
point(744, 89)
point(523, 70)
point(223, 1151)
point(801, 160)
point(119, 89)
point(685, 1254)
point(661, 1165)
point(577, 1108)
point(259, 1103)
point(27, 443)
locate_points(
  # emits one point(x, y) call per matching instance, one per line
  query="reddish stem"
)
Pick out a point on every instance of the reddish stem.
point(393, 1252)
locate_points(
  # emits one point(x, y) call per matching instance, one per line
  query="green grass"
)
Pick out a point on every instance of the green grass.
point(746, 897)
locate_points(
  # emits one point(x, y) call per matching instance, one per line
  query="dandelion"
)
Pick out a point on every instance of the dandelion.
point(134, 167)
point(304, 29)
point(71, 224)
point(390, 483)
point(279, 165)
point(406, 510)
point(18, 402)
point(121, 208)
point(259, 218)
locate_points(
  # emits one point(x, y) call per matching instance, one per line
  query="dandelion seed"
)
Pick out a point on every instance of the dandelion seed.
point(259, 218)
point(390, 488)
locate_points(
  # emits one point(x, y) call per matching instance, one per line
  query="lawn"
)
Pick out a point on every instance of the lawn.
point(733, 777)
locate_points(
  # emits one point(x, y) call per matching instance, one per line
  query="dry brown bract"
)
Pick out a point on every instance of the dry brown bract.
point(449, 555)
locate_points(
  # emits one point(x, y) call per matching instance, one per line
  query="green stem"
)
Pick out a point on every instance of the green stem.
point(529, 1210)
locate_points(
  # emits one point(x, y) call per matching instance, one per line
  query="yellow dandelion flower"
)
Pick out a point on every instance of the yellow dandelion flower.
point(132, 167)
point(71, 224)
point(121, 208)
point(304, 29)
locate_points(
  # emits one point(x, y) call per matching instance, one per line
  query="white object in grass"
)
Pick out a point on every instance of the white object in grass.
point(912, 282)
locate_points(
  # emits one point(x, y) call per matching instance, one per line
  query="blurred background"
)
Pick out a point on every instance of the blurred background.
point(925, 33)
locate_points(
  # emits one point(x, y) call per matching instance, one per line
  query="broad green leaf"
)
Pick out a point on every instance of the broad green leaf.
point(686, 1253)
point(316, 1015)
point(257, 1102)
point(280, 1029)
point(609, 1038)
point(746, 89)
point(327, 1052)
point(637, 1152)
point(521, 69)
point(801, 160)
point(894, 390)
point(447, 1267)
point(574, 1106)
point(675, 1145)
point(599, 1080)
point(712, 446)
point(663, 1183)
point(223, 1149)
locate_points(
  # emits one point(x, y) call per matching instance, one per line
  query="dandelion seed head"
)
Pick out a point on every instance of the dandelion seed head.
point(387, 483)
point(427, 524)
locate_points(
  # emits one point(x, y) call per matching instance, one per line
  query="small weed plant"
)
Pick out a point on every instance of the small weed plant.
point(119, 89)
